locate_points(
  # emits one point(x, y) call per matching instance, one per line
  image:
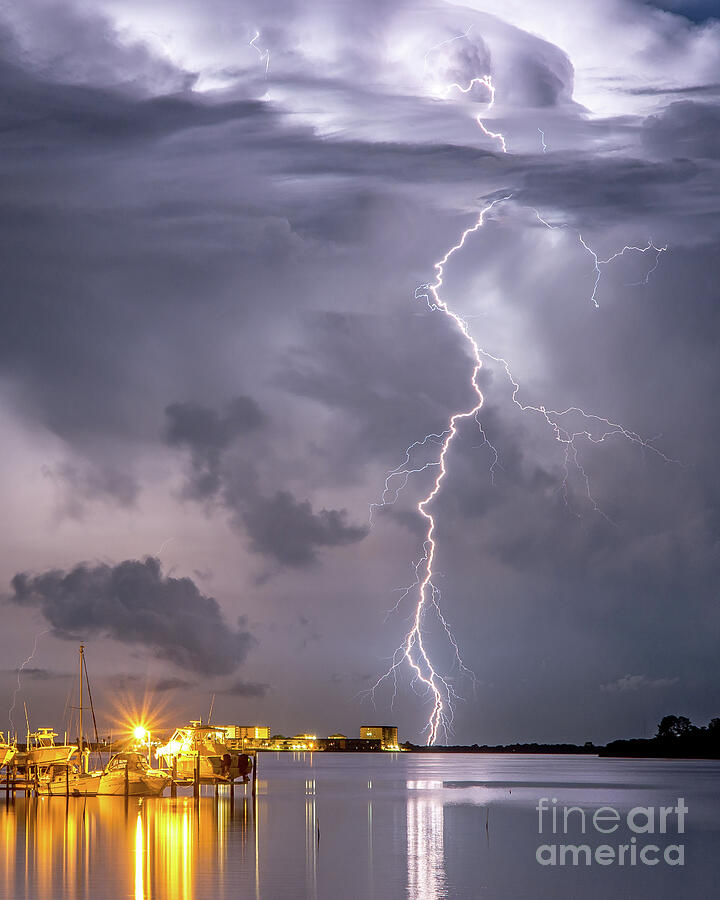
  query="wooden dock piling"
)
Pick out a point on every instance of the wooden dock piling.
point(196, 778)
point(254, 774)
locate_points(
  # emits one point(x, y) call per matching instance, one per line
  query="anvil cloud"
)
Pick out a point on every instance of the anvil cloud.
point(210, 353)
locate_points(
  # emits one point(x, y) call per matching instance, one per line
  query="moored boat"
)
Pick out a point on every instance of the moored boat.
point(197, 746)
point(42, 750)
point(128, 774)
point(7, 751)
point(66, 781)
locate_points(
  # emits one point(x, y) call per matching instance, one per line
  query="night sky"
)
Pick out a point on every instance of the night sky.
point(211, 354)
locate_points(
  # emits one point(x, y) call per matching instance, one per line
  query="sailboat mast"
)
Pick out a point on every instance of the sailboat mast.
point(80, 718)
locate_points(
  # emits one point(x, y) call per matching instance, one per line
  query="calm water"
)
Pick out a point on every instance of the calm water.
point(366, 826)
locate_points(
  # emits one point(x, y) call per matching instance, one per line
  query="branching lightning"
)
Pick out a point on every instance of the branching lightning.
point(19, 684)
point(599, 263)
point(567, 426)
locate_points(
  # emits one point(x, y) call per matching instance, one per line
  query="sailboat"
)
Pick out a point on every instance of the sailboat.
point(59, 777)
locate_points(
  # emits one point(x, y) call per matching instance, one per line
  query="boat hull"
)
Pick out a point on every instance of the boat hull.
point(59, 755)
point(115, 785)
point(75, 785)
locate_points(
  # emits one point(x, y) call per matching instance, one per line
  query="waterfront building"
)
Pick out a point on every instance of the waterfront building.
point(240, 737)
point(386, 734)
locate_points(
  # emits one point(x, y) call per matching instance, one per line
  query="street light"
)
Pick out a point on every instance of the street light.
point(141, 734)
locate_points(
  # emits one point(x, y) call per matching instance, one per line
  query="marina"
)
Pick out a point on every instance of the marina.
point(195, 755)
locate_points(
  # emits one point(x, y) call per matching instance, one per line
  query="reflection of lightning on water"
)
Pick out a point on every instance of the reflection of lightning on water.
point(19, 671)
point(594, 428)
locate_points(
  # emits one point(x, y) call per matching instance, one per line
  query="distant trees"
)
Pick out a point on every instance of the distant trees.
point(675, 727)
point(676, 737)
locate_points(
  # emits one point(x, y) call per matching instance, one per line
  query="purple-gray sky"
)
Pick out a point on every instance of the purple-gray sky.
point(211, 355)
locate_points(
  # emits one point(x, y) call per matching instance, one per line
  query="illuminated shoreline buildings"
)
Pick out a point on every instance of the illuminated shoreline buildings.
point(372, 738)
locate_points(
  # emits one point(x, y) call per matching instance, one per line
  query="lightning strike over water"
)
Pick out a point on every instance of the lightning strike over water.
point(594, 428)
point(19, 685)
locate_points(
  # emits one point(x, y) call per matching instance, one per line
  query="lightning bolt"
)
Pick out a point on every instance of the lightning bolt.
point(19, 672)
point(457, 37)
point(263, 54)
point(542, 140)
point(486, 82)
point(594, 428)
point(599, 263)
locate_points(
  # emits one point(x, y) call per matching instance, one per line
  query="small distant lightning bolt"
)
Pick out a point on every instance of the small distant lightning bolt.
point(164, 545)
point(263, 54)
point(599, 263)
point(19, 672)
point(596, 429)
point(542, 140)
point(457, 37)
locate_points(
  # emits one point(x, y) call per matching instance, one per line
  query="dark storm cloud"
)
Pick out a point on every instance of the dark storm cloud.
point(80, 484)
point(134, 603)
point(278, 526)
point(685, 129)
point(246, 689)
point(290, 531)
point(374, 369)
point(207, 434)
point(37, 674)
point(171, 684)
point(696, 10)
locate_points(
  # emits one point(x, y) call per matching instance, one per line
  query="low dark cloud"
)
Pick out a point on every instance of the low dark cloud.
point(685, 128)
point(278, 525)
point(82, 483)
point(291, 532)
point(246, 689)
point(207, 433)
point(133, 602)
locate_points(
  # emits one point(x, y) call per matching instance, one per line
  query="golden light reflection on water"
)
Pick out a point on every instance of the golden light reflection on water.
point(110, 846)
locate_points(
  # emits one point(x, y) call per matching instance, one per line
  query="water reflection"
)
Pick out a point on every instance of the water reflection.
point(425, 841)
point(107, 846)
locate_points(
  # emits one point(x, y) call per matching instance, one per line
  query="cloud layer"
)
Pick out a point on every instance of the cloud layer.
point(134, 603)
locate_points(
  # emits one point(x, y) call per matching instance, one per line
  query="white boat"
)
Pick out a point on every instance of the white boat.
point(69, 781)
point(7, 751)
point(43, 751)
point(128, 774)
point(205, 743)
